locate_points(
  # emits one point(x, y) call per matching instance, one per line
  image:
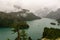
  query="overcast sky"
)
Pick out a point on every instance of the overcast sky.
point(33, 5)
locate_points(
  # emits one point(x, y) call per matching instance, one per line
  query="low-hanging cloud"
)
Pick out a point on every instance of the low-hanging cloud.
point(32, 5)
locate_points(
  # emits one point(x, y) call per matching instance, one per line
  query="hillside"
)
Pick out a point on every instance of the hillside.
point(6, 19)
point(21, 16)
point(54, 14)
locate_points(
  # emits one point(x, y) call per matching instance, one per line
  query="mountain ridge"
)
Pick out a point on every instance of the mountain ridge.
point(54, 14)
point(18, 15)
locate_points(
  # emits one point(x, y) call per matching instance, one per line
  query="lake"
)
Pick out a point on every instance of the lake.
point(35, 30)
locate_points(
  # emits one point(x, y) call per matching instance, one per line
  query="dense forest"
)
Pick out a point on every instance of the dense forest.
point(51, 33)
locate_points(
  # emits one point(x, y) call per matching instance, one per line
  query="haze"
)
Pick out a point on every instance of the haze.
point(28, 4)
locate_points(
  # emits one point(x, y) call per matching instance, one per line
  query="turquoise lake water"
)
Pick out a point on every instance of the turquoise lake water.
point(35, 30)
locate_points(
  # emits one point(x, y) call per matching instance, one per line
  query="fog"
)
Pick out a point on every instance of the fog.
point(32, 5)
point(29, 4)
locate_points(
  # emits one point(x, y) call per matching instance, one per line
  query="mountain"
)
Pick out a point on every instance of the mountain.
point(42, 12)
point(54, 14)
point(19, 16)
point(30, 17)
point(6, 19)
